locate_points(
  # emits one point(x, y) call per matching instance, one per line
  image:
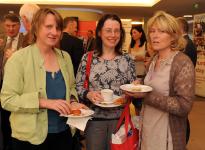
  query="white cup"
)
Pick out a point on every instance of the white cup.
point(107, 95)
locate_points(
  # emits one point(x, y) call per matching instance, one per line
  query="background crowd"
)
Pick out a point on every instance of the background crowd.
point(42, 75)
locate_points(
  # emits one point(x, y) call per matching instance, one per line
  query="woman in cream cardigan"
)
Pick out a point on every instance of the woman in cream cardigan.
point(171, 74)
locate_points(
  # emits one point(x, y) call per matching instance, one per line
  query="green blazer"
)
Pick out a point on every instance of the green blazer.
point(24, 83)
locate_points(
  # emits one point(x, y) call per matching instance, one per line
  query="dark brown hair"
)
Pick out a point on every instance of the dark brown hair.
point(118, 48)
point(12, 17)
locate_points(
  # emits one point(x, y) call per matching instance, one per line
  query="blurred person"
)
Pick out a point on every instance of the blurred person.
point(109, 69)
point(26, 12)
point(137, 49)
point(70, 43)
point(9, 42)
point(38, 86)
point(171, 74)
point(190, 51)
point(72, 25)
point(199, 29)
point(73, 46)
point(12, 39)
point(90, 45)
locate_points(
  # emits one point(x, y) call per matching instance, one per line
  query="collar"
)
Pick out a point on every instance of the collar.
point(14, 38)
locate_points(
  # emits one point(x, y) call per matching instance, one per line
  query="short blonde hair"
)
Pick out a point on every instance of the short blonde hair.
point(169, 24)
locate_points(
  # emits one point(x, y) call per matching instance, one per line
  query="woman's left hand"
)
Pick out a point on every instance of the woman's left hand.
point(76, 105)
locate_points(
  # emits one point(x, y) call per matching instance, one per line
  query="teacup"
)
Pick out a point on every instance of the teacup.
point(107, 95)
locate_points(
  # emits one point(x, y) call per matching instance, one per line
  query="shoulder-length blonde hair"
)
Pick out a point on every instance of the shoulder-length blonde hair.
point(39, 18)
point(169, 24)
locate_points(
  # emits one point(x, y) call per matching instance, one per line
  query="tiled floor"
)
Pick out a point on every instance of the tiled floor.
point(197, 120)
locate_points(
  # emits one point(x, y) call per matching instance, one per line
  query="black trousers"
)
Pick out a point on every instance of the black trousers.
point(54, 141)
point(6, 129)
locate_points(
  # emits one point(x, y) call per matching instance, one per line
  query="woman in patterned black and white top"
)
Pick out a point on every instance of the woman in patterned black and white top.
point(109, 69)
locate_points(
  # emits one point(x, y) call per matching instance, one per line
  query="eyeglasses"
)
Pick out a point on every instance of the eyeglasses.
point(110, 31)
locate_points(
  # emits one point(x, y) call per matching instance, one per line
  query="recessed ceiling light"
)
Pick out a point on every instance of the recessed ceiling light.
point(137, 22)
point(128, 20)
point(187, 16)
point(143, 3)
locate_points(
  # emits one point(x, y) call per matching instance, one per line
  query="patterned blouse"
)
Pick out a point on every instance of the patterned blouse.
point(106, 74)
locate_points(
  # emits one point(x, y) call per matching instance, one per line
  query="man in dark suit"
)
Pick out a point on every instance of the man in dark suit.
point(70, 43)
point(90, 41)
point(9, 42)
point(190, 51)
point(74, 46)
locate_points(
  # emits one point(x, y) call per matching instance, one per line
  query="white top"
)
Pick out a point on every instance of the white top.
point(156, 133)
point(140, 68)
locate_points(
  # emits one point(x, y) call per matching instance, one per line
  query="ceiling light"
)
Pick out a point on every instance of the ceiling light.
point(127, 20)
point(145, 3)
point(137, 22)
point(187, 16)
point(80, 9)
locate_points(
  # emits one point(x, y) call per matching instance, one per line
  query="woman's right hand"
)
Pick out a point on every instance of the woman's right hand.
point(136, 95)
point(61, 106)
point(94, 96)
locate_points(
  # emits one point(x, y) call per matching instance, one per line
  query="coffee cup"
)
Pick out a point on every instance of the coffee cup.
point(107, 95)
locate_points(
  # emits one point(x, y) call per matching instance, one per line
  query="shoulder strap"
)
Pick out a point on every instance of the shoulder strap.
point(88, 66)
point(126, 117)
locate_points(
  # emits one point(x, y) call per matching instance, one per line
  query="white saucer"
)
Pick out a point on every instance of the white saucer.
point(110, 104)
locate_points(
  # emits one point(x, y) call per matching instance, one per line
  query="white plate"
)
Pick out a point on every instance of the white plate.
point(135, 88)
point(84, 113)
point(104, 102)
point(111, 104)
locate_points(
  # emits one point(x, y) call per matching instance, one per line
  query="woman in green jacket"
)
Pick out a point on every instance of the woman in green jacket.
point(38, 86)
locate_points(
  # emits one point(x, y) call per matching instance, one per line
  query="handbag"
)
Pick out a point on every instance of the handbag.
point(130, 137)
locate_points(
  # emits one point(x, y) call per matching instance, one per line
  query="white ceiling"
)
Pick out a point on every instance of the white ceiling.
point(174, 7)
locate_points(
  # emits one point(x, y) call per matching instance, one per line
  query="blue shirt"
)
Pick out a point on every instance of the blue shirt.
point(55, 89)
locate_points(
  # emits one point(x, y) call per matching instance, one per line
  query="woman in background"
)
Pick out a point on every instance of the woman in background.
point(38, 86)
point(171, 74)
point(109, 69)
point(137, 49)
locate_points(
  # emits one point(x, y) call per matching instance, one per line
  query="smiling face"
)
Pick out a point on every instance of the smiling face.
point(49, 33)
point(110, 34)
point(159, 39)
